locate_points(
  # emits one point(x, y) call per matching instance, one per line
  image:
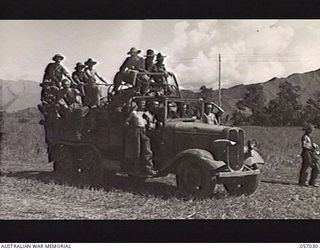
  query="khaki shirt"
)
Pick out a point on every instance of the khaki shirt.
point(134, 63)
point(55, 72)
point(210, 118)
point(136, 119)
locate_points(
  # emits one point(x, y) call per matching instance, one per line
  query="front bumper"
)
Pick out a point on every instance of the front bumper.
point(238, 173)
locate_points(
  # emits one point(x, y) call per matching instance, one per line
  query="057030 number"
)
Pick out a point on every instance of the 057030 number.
point(305, 245)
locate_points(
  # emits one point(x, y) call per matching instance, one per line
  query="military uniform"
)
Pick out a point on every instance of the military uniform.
point(71, 107)
point(210, 118)
point(137, 142)
point(126, 70)
point(160, 68)
point(79, 78)
point(148, 61)
point(92, 92)
point(50, 109)
point(308, 161)
point(54, 72)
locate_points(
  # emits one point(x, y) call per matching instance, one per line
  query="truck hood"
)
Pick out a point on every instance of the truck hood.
point(195, 127)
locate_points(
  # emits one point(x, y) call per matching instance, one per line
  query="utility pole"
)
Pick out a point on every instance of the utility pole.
point(219, 87)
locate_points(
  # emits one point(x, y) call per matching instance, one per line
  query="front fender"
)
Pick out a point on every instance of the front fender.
point(253, 158)
point(204, 156)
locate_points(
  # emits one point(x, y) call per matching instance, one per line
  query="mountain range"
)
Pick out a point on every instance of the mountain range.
point(22, 94)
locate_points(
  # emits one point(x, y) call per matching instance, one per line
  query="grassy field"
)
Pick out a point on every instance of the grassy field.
point(29, 190)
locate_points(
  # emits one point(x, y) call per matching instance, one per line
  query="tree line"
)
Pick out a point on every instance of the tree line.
point(284, 110)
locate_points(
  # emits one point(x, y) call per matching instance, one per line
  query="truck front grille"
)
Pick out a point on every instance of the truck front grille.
point(235, 153)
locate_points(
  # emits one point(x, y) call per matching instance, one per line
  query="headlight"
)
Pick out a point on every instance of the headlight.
point(252, 143)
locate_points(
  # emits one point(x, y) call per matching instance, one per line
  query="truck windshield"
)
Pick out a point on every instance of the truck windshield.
point(187, 110)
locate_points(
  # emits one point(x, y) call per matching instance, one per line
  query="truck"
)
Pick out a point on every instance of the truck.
point(200, 155)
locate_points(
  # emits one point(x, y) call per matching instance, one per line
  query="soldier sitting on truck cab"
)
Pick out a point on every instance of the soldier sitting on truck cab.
point(126, 73)
point(54, 72)
point(161, 80)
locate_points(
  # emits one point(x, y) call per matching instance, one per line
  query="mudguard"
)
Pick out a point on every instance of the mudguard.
point(205, 157)
point(254, 158)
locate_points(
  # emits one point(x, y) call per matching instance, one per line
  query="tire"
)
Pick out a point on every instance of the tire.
point(193, 179)
point(88, 160)
point(245, 185)
point(252, 183)
point(64, 159)
point(234, 188)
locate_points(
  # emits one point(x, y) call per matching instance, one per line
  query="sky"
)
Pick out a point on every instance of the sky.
point(251, 50)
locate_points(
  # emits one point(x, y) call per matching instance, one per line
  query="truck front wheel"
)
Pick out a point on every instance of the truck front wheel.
point(245, 185)
point(193, 179)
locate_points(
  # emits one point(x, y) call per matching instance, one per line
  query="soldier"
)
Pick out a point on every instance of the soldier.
point(159, 67)
point(92, 92)
point(161, 81)
point(209, 116)
point(308, 159)
point(126, 72)
point(48, 99)
point(79, 76)
point(92, 73)
point(157, 112)
point(149, 60)
point(72, 109)
point(68, 94)
point(141, 142)
point(50, 108)
point(172, 110)
point(54, 72)
point(183, 110)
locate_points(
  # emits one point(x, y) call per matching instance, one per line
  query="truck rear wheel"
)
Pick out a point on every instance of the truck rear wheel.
point(193, 179)
point(88, 162)
point(63, 158)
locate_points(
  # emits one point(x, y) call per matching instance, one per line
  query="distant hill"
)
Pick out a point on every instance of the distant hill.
point(29, 91)
point(309, 83)
point(19, 95)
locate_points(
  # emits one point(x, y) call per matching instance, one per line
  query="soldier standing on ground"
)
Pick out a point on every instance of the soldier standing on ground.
point(308, 159)
point(54, 72)
point(141, 148)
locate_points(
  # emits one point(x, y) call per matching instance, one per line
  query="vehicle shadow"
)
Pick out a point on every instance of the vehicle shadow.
point(109, 181)
point(279, 182)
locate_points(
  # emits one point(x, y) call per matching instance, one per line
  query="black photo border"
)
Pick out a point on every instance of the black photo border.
point(217, 231)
